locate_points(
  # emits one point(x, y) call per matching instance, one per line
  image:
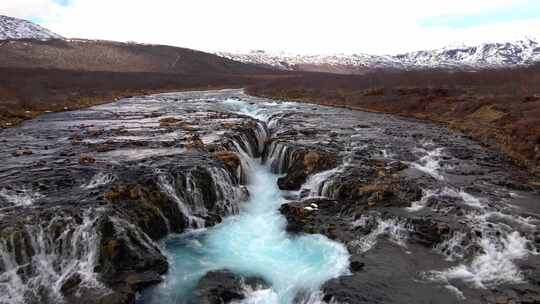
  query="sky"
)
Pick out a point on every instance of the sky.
point(294, 26)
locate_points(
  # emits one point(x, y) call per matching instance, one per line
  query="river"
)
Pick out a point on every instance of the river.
point(140, 199)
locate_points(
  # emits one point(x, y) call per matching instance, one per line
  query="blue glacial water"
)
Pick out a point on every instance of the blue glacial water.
point(253, 243)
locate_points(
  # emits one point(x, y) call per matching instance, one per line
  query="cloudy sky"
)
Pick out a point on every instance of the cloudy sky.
point(296, 26)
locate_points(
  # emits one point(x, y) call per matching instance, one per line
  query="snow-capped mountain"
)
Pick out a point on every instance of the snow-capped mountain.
point(14, 28)
point(487, 55)
point(338, 63)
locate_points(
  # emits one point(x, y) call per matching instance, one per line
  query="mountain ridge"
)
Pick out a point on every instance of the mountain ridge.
point(486, 55)
point(13, 31)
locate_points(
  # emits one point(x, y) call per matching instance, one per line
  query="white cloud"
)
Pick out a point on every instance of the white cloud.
point(27, 8)
point(304, 26)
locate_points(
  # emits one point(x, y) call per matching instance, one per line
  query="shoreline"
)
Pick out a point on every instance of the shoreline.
point(13, 121)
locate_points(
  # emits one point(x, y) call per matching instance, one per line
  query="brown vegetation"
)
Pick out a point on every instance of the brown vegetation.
point(26, 93)
point(500, 108)
point(55, 75)
point(230, 159)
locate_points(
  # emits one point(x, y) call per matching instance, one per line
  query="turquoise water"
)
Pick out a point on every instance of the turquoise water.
point(253, 243)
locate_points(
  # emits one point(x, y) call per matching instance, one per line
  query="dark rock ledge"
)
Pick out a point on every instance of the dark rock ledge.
point(378, 190)
point(116, 224)
point(224, 286)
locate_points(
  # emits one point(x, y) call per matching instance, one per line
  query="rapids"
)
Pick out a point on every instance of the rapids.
point(254, 243)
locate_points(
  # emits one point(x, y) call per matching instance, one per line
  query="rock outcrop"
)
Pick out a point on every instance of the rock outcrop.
point(223, 286)
point(82, 224)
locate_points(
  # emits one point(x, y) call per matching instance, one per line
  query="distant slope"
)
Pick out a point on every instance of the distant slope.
point(338, 64)
point(14, 28)
point(90, 55)
point(483, 56)
point(24, 44)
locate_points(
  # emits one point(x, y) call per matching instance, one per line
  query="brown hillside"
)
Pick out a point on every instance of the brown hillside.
point(89, 55)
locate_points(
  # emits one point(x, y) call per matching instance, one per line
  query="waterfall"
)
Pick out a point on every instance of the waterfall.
point(501, 245)
point(279, 157)
point(121, 227)
point(262, 136)
point(318, 185)
point(247, 147)
point(495, 264)
point(190, 197)
point(246, 161)
point(228, 190)
point(321, 184)
point(254, 242)
point(477, 215)
point(397, 230)
point(167, 188)
point(98, 180)
point(22, 197)
point(38, 260)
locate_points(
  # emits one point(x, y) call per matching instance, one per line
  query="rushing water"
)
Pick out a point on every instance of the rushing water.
point(253, 243)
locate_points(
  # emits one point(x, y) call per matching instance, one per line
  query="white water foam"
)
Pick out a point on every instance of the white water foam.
point(494, 266)
point(317, 184)
point(248, 109)
point(98, 180)
point(430, 162)
point(53, 259)
point(22, 197)
point(464, 197)
point(421, 204)
point(395, 229)
point(501, 246)
point(261, 296)
point(454, 247)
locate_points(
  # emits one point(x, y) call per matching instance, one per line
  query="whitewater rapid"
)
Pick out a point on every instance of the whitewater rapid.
point(253, 243)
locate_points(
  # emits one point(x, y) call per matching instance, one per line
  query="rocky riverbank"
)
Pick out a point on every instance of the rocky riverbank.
point(498, 108)
point(85, 195)
point(427, 214)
